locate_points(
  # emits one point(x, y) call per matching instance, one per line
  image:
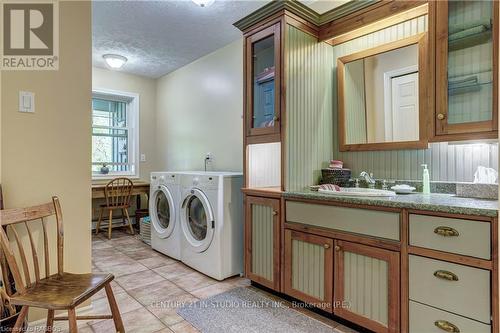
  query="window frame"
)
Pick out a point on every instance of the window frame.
point(132, 100)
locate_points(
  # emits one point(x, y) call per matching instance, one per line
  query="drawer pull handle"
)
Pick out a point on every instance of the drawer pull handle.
point(446, 232)
point(447, 326)
point(445, 275)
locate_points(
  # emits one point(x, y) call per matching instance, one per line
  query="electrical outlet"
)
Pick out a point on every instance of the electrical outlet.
point(209, 156)
point(143, 157)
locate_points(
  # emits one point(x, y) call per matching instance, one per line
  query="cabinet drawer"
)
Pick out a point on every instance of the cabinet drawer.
point(361, 221)
point(470, 238)
point(469, 295)
point(423, 320)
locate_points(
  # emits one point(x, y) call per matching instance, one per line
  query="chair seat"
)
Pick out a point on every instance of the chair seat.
point(64, 291)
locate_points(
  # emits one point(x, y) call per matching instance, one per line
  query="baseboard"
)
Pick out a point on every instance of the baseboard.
point(43, 321)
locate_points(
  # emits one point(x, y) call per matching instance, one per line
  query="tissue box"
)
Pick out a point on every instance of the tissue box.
point(479, 191)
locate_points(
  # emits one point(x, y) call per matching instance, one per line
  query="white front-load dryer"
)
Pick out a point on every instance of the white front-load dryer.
point(211, 216)
point(164, 202)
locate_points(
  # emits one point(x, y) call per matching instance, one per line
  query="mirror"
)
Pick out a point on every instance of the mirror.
point(382, 96)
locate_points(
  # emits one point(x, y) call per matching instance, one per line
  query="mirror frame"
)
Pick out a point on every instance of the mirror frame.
point(424, 86)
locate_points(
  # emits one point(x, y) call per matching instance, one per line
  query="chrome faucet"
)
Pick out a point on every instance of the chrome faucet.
point(368, 179)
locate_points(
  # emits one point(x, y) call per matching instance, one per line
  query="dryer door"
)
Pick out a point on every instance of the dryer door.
point(162, 211)
point(198, 222)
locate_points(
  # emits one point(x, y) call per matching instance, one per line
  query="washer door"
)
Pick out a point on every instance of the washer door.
point(162, 211)
point(198, 222)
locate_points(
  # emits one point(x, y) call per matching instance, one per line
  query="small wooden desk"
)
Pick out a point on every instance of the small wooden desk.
point(140, 187)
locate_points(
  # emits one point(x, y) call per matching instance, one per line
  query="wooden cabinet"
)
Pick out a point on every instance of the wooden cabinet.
point(262, 241)
point(367, 286)
point(308, 268)
point(466, 70)
point(263, 83)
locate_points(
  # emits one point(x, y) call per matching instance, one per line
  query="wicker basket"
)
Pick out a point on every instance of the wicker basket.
point(338, 177)
point(145, 229)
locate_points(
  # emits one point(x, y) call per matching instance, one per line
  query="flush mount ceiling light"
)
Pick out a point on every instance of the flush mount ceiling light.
point(114, 61)
point(203, 3)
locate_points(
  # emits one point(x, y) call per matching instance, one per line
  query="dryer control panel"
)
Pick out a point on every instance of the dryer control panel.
point(203, 182)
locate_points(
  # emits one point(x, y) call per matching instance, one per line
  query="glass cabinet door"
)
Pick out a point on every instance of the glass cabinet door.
point(466, 66)
point(263, 81)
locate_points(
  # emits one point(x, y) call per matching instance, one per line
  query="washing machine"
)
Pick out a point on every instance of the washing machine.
point(211, 218)
point(164, 204)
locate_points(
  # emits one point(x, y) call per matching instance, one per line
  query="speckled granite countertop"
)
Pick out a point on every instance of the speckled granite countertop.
point(447, 203)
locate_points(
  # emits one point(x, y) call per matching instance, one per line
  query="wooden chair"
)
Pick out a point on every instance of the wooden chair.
point(59, 291)
point(118, 193)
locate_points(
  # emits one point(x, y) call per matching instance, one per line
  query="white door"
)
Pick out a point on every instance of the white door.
point(162, 210)
point(197, 218)
point(405, 115)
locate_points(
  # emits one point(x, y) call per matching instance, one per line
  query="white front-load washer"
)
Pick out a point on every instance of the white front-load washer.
point(211, 217)
point(164, 203)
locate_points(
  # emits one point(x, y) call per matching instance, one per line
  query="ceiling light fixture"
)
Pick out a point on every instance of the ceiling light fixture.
point(203, 3)
point(114, 61)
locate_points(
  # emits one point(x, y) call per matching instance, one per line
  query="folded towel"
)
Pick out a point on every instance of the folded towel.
point(330, 187)
point(467, 32)
point(465, 25)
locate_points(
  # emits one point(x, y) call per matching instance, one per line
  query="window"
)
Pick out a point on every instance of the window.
point(114, 134)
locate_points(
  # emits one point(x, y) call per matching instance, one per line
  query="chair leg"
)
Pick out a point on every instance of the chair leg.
point(129, 222)
point(110, 227)
point(50, 322)
point(117, 318)
point(73, 327)
point(18, 326)
point(98, 225)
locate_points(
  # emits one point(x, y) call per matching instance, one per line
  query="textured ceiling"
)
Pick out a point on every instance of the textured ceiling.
point(158, 37)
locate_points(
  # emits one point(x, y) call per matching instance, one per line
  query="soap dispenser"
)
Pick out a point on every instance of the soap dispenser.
point(426, 180)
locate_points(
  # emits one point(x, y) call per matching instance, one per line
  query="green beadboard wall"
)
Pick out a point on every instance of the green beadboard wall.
point(309, 125)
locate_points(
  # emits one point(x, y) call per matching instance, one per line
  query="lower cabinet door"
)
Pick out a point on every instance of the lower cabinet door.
point(262, 241)
point(367, 286)
point(309, 268)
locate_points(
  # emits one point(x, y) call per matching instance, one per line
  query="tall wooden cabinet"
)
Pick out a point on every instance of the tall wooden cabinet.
point(466, 70)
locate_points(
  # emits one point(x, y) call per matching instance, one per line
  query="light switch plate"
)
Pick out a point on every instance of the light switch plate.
point(26, 102)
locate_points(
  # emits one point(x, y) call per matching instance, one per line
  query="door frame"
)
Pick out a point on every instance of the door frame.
point(325, 304)
point(393, 283)
point(275, 206)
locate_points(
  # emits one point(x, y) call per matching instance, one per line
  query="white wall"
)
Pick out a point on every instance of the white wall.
point(199, 110)
point(146, 88)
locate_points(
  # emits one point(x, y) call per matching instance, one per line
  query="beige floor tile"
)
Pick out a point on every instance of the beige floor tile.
point(140, 321)
point(125, 269)
point(343, 329)
point(157, 261)
point(126, 303)
point(213, 290)
point(139, 253)
point(165, 330)
point(192, 281)
point(183, 327)
point(157, 292)
point(174, 270)
point(166, 311)
point(139, 279)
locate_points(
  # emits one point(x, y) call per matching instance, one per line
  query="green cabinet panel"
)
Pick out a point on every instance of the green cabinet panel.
point(262, 241)
point(309, 268)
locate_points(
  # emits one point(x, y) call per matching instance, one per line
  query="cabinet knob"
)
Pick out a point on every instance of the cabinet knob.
point(440, 116)
point(326, 246)
point(275, 118)
point(446, 275)
point(274, 213)
point(337, 248)
point(446, 326)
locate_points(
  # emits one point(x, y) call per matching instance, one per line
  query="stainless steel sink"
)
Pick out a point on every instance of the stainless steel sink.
point(359, 192)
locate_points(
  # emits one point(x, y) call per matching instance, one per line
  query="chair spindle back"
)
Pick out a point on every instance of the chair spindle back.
point(9, 218)
point(118, 192)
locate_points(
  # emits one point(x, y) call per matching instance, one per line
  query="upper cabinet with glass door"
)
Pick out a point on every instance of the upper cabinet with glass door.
point(263, 83)
point(466, 70)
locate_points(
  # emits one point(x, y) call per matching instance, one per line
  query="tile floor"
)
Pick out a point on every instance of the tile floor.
point(149, 287)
